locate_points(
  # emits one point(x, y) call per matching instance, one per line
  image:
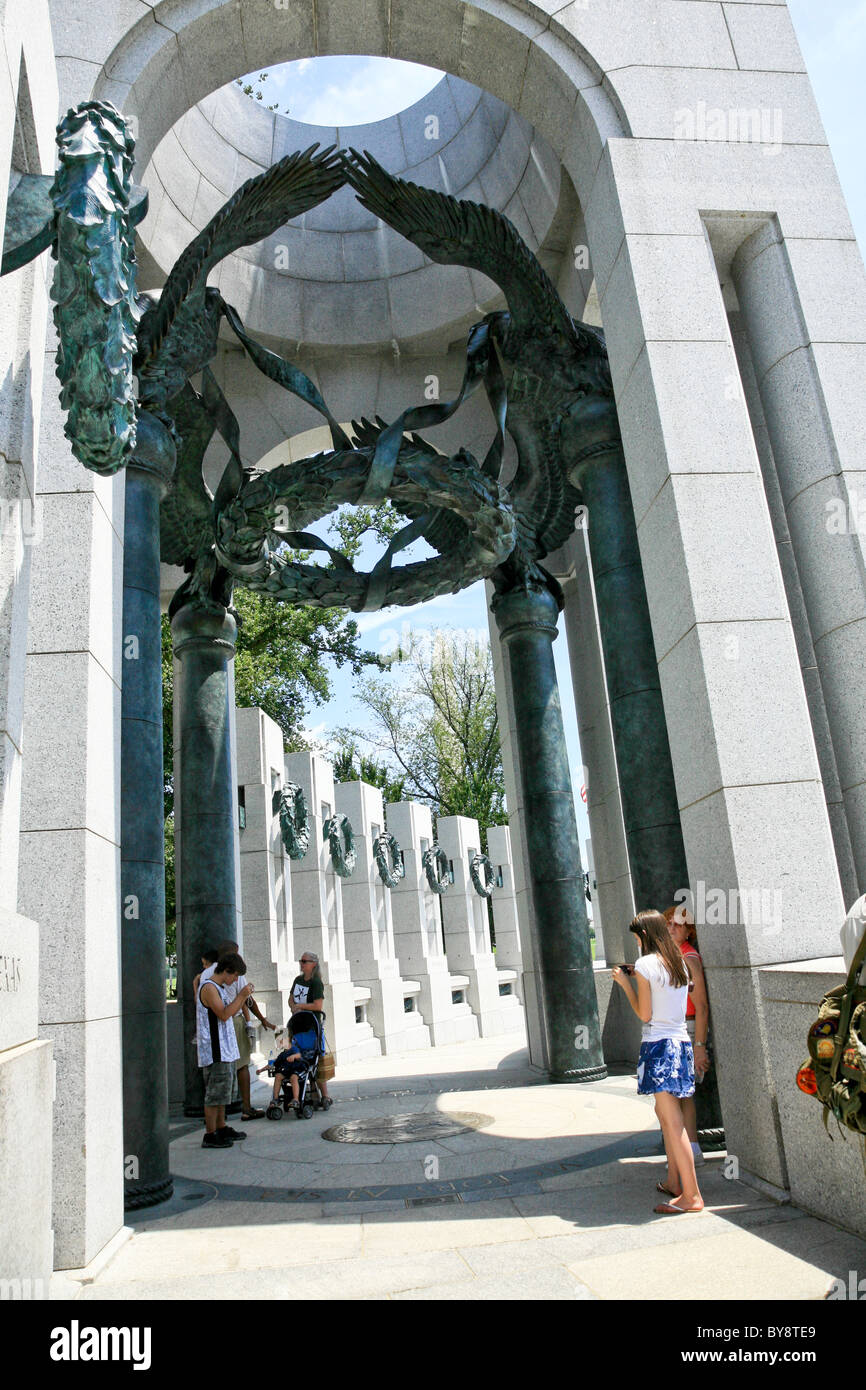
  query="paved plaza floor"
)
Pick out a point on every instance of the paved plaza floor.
point(550, 1197)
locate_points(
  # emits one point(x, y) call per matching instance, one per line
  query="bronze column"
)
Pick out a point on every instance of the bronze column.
point(526, 616)
point(204, 643)
point(142, 847)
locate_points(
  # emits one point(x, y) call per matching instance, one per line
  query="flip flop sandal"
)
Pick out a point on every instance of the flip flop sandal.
point(671, 1209)
point(252, 1115)
point(660, 1187)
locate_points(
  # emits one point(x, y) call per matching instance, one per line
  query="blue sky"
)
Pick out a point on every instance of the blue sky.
point(334, 91)
point(832, 35)
point(345, 91)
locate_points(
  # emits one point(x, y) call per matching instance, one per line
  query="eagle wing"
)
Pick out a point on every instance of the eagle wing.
point(455, 232)
point(289, 188)
point(452, 231)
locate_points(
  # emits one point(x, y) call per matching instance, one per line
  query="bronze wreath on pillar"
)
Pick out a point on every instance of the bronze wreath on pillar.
point(290, 804)
point(437, 868)
point(337, 830)
point(389, 859)
point(481, 864)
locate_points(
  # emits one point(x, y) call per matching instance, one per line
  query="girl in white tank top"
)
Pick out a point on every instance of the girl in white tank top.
point(665, 1062)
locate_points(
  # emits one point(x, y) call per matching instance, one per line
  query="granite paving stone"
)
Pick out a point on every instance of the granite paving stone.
point(551, 1283)
point(750, 1272)
point(553, 1199)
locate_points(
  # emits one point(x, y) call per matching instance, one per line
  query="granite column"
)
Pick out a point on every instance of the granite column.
point(657, 857)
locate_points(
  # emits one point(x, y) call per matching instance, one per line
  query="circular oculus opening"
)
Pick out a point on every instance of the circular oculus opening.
point(342, 91)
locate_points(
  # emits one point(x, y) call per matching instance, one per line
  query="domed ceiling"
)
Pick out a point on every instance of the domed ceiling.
point(336, 277)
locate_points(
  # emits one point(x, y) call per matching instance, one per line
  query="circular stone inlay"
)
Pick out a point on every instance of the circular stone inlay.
point(404, 1129)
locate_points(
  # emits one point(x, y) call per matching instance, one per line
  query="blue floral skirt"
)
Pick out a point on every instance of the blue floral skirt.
point(666, 1065)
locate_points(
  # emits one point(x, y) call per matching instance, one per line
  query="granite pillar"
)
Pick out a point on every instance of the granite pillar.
point(648, 793)
point(466, 926)
point(369, 929)
point(751, 804)
point(69, 872)
point(416, 915)
point(504, 905)
point(799, 617)
point(265, 882)
point(317, 912)
point(531, 991)
point(27, 1107)
point(613, 898)
point(820, 491)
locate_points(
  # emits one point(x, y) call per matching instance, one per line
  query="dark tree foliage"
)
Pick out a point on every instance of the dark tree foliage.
point(351, 765)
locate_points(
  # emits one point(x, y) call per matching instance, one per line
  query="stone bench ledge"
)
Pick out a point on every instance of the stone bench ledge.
point(801, 981)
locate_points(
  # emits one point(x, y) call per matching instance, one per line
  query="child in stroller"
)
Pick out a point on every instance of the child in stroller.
point(296, 1068)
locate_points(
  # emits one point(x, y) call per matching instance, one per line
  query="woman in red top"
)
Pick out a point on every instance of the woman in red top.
point(681, 926)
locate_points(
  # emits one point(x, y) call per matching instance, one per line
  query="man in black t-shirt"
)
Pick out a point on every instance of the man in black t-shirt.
point(308, 993)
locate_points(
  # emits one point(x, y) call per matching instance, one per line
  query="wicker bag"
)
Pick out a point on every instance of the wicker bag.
point(326, 1066)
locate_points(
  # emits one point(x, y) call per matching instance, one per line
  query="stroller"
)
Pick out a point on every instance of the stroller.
point(306, 1033)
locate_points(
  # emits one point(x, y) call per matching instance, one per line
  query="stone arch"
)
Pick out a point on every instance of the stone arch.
point(168, 62)
point(748, 780)
point(338, 277)
point(587, 76)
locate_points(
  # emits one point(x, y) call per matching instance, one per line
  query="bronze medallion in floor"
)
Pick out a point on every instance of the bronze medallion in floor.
point(406, 1129)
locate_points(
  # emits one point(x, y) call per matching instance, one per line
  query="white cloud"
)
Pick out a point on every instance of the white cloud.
point(315, 733)
point(377, 88)
point(454, 606)
point(368, 622)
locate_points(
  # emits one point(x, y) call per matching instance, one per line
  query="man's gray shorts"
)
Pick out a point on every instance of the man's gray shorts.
point(220, 1083)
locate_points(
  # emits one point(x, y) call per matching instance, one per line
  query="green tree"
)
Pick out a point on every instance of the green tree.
point(435, 722)
point(351, 765)
point(254, 92)
point(351, 525)
point(283, 655)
